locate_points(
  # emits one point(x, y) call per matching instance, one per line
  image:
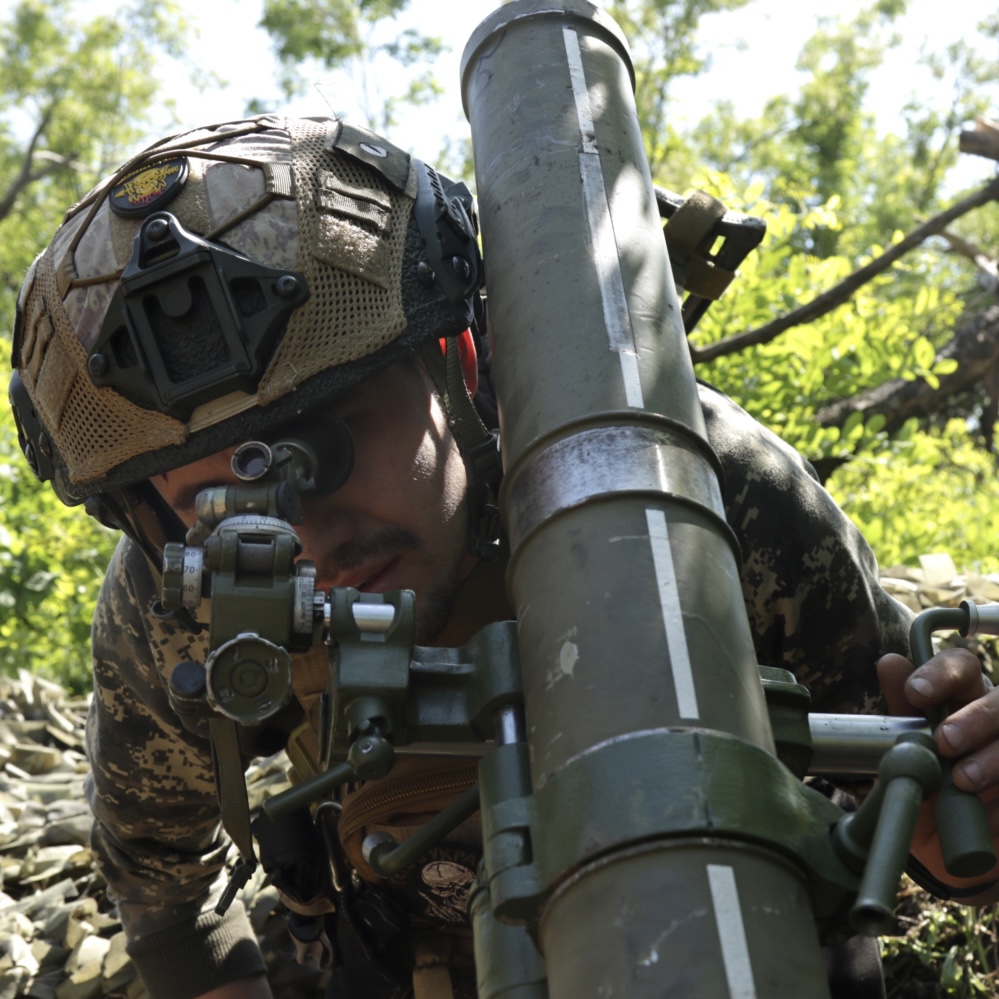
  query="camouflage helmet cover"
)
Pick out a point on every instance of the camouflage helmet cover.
point(370, 250)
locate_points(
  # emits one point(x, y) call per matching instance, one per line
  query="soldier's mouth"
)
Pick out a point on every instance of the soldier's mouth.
point(373, 563)
point(382, 578)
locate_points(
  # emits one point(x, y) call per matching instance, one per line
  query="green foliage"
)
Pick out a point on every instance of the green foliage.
point(74, 95)
point(818, 143)
point(820, 130)
point(927, 488)
point(942, 949)
point(665, 45)
point(52, 560)
point(882, 332)
point(834, 194)
point(924, 491)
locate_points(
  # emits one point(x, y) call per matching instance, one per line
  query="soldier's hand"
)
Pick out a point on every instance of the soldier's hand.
point(969, 735)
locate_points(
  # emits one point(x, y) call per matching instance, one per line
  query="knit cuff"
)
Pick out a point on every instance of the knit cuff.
point(184, 961)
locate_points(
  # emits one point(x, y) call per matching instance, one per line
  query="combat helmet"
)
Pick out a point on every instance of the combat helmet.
point(226, 281)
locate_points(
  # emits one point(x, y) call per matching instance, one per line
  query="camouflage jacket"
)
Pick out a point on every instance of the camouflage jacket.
point(815, 607)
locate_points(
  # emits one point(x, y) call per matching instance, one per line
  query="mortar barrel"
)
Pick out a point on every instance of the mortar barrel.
point(623, 571)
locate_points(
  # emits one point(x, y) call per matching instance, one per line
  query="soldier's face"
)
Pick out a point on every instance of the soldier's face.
point(400, 520)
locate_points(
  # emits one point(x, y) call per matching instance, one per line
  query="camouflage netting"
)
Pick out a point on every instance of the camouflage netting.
point(60, 937)
point(936, 583)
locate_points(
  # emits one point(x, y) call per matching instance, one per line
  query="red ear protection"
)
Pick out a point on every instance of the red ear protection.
point(469, 360)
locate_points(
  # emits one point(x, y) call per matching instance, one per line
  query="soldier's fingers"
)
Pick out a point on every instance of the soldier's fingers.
point(974, 729)
point(952, 676)
point(893, 671)
point(978, 771)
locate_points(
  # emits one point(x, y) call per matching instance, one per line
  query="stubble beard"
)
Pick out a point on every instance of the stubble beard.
point(434, 610)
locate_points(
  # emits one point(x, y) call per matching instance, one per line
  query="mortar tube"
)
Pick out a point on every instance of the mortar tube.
point(623, 571)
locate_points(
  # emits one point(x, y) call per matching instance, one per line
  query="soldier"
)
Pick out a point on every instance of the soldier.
point(320, 270)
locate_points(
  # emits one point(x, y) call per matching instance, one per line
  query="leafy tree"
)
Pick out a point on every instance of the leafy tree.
point(806, 146)
point(356, 39)
point(666, 44)
point(75, 92)
point(868, 370)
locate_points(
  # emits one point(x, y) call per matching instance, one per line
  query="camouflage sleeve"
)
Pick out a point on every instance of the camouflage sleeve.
point(157, 832)
point(809, 579)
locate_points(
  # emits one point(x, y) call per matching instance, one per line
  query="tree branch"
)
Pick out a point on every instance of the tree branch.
point(975, 347)
point(841, 292)
point(26, 176)
point(989, 266)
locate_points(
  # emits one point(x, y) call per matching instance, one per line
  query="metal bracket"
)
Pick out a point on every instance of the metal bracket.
point(703, 267)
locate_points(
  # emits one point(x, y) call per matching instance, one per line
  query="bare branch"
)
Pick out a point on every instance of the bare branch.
point(59, 160)
point(989, 266)
point(841, 292)
point(26, 175)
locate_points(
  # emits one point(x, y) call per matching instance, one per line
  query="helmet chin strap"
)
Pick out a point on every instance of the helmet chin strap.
point(479, 447)
point(140, 513)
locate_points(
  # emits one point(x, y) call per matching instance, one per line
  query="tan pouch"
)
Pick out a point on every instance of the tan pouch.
point(417, 788)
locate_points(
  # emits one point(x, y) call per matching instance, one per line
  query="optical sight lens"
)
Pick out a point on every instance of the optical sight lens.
point(252, 461)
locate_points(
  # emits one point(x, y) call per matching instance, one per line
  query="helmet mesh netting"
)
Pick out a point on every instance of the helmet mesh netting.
point(347, 316)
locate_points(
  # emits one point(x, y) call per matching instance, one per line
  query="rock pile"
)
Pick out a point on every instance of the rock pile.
point(60, 937)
